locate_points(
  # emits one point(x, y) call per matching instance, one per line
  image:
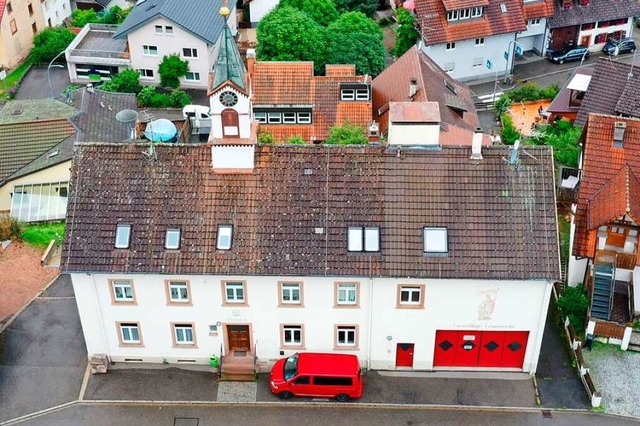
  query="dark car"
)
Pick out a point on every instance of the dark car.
point(568, 54)
point(624, 45)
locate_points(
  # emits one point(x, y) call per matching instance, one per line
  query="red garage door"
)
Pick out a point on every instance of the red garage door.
point(465, 348)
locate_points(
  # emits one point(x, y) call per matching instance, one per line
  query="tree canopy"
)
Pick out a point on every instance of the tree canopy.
point(406, 33)
point(48, 43)
point(287, 34)
point(355, 39)
point(368, 7)
point(171, 69)
point(323, 12)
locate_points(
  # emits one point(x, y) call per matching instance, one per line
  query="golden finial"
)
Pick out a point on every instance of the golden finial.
point(224, 10)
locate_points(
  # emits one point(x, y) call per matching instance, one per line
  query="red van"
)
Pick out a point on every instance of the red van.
point(321, 375)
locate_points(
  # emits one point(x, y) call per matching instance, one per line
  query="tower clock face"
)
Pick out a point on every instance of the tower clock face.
point(228, 98)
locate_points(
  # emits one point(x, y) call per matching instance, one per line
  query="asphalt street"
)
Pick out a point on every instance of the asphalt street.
point(35, 85)
point(240, 415)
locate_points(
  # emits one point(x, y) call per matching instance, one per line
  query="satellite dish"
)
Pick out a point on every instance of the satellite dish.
point(127, 116)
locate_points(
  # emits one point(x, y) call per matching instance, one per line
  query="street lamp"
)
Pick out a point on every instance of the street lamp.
point(517, 49)
point(51, 64)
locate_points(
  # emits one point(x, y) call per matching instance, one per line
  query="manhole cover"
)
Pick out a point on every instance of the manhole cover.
point(546, 414)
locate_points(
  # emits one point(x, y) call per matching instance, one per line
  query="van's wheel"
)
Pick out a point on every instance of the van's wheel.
point(561, 61)
point(342, 397)
point(285, 395)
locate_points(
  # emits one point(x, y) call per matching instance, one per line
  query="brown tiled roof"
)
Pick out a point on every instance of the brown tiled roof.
point(432, 17)
point(538, 9)
point(21, 143)
point(597, 10)
point(392, 85)
point(97, 119)
point(293, 83)
point(613, 200)
point(614, 89)
point(561, 103)
point(501, 220)
point(463, 4)
point(604, 166)
point(282, 83)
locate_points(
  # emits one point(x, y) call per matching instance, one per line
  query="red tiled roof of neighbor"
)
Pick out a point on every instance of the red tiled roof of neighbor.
point(538, 9)
point(3, 4)
point(293, 83)
point(432, 17)
point(414, 112)
point(392, 85)
point(609, 184)
point(276, 208)
point(463, 4)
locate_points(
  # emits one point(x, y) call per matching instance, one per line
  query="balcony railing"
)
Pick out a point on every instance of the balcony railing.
point(622, 260)
point(98, 54)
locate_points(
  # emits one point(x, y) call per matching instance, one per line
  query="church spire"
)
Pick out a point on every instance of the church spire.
point(229, 65)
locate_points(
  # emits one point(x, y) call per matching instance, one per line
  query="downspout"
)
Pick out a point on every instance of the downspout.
point(100, 316)
point(370, 332)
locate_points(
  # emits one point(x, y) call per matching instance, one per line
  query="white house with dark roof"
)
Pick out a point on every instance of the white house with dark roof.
point(153, 29)
point(261, 251)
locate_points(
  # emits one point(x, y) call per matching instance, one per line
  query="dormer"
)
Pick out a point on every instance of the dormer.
point(473, 9)
point(414, 124)
point(355, 92)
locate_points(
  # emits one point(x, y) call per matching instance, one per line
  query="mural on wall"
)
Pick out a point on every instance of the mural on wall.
point(487, 305)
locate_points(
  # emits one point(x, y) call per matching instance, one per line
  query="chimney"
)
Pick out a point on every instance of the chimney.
point(619, 128)
point(413, 88)
point(251, 60)
point(476, 144)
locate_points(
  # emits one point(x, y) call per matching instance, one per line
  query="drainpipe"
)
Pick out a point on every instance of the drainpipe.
point(100, 316)
point(370, 332)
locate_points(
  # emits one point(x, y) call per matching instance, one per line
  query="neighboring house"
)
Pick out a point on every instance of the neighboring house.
point(417, 78)
point(56, 11)
point(153, 29)
point(36, 146)
point(20, 20)
point(461, 37)
point(266, 250)
point(568, 101)
point(259, 8)
point(614, 89)
point(591, 22)
point(102, 4)
point(607, 219)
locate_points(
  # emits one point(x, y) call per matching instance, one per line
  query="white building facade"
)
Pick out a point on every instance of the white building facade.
point(368, 317)
point(56, 11)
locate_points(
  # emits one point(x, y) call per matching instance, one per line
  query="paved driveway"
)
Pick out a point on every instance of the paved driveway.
point(35, 85)
point(42, 354)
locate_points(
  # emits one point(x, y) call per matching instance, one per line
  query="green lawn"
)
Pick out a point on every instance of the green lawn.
point(40, 235)
point(14, 77)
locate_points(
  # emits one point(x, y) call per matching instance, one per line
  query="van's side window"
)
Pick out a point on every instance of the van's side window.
point(302, 380)
point(332, 381)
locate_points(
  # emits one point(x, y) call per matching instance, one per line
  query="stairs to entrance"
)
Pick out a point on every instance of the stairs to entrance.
point(602, 296)
point(238, 366)
point(634, 342)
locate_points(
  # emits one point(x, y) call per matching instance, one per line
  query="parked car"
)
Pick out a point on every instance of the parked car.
point(319, 375)
point(568, 54)
point(624, 45)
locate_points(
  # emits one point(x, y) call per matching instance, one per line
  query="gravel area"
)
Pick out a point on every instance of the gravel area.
point(616, 374)
point(22, 277)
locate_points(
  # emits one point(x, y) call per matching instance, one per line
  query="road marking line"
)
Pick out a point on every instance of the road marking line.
point(85, 382)
point(38, 413)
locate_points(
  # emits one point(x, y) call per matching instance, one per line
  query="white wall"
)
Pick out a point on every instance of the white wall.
point(413, 134)
point(465, 53)
point(259, 8)
point(167, 45)
point(56, 11)
point(593, 47)
point(533, 37)
point(450, 305)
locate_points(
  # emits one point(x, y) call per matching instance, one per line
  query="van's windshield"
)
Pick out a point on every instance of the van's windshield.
point(291, 367)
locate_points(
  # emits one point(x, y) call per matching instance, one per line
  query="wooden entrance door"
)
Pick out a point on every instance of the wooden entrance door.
point(238, 337)
point(585, 40)
point(230, 123)
point(404, 355)
point(616, 236)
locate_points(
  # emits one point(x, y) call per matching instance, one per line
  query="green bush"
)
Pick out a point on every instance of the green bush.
point(48, 43)
point(573, 304)
point(126, 81)
point(150, 97)
point(171, 69)
point(528, 92)
point(179, 98)
point(502, 104)
point(80, 17)
point(10, 228)
point(296, 140)
point(563, 137)
point(114, 16)
point(347, 134)
point(509, 132)
point(266, 138)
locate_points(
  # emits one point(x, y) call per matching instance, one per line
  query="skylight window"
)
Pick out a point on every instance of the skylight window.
point(363, 239)
point(172, 239)
point(435, 240)
point(123, 235)
point(225, 234)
